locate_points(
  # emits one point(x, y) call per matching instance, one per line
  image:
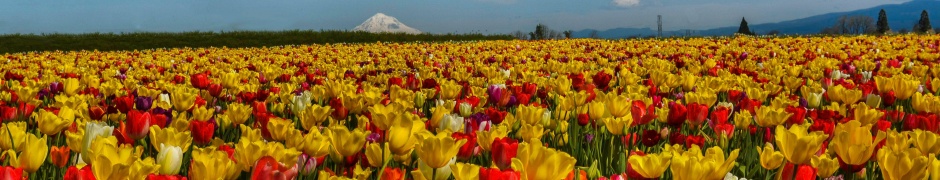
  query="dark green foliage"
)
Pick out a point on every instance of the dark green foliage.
point(923, 25)
point(883, 22)
point(743, 29)
point(12, 43)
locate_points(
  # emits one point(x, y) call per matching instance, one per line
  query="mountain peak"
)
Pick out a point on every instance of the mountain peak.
point(384, 23)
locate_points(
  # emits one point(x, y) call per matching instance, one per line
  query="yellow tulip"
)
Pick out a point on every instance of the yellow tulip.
point(450, 89)
point(314, 115)
point(798, 145)
point(924, 102)
point(617, 126)
point(208, 163)
point(438, 113)
point(464, 171)
point(486, 138)
point(280, 128)
point(169, 136)
point(436, 151)
point(143, 168)
point(813, 100)
point(928, 142)
point(238, 113)
point(845, 96)
point(701, 97)
point(651, 165)
point(111, 161)
point(530, 115)
point(866, 115)
point(345, 142)
point(596, 110)
point(824, 165)
point(905, 164)
point(853, 142)
point(694, 165)
point(562, 85)
point(203, 113)
point(770, 116)
point(316, 144)
point(384, 115)
point(743, 119)
point(15, 134)
point(530, 132)
point(769, 158)
point(284, 155)
point(618, 106)
point(377, 154)
point(535, 161)
point(33, 154)
point(70, 86)
point(73, 139)
point(247, 152)
point(403, 135)
point(93, 131)
point(182, 98)
point(873, 100)
point(230, 80)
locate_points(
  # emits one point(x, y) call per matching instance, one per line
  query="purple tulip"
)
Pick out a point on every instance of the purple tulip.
point(143, 103)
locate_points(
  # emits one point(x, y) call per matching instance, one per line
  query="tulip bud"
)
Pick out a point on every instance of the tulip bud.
point(170, 159)
point(465, 109)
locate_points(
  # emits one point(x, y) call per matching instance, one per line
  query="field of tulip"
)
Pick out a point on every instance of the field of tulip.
point(701, 108)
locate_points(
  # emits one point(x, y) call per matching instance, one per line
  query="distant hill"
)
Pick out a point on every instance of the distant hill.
point(900, 16)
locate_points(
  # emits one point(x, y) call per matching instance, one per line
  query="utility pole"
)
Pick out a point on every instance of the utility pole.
point(659, 22)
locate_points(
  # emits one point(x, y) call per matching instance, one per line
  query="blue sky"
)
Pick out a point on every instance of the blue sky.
point(435, 16)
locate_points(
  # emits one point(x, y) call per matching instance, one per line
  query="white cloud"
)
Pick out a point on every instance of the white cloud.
point(625, 3)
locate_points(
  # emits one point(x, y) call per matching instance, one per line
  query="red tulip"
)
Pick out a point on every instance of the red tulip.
point(799, 115)
point(720, 115)
point(395, 81)
point(200, 81)
point(677, 115)
point(467, 150)
point(26, 109)
point(392, 174)
point(889, 98)
point(496, 116)
point(584, 119)
point(677, 138)
point(602, 80)
point(577, 81)
point(9, 172)
point(202, 131)
point(59, 155)
point(268, 168)
point(96, 112)
point(735, 96)
point(138, 124)
point(642, 113)
point(7, 113)
point(158, 120)
point(124, 103)
point(165, 177)
point(497, 174)
point(215, 90)
point(694, 139)
point(503, 150)
point(750, 105)
point(696, 114)
point(120, 133)
point(650, 138)
point(726, 129)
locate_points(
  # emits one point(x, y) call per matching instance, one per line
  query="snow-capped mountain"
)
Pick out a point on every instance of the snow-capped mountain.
point(384, 23)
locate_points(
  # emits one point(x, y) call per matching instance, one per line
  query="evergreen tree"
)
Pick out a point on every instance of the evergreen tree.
point(923, 25)
point(744, 29)
point(883, 22)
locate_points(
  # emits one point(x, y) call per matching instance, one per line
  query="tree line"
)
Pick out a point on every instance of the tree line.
point(12, 43)
point(861, 24)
